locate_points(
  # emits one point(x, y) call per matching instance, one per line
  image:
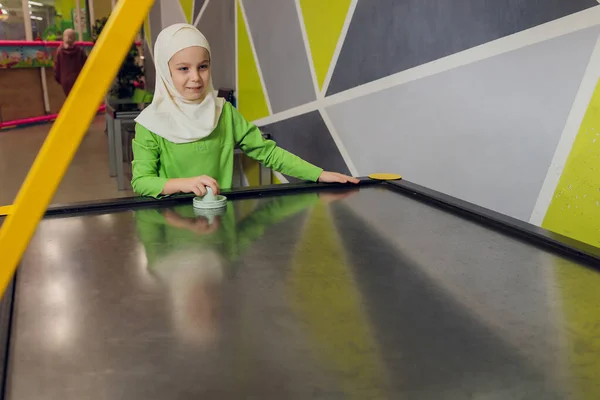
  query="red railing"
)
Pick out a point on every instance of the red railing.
point(38, 43)
point(33, 43)
point(34, 120)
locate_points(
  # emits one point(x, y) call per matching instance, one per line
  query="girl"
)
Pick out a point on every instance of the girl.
point(185, 139)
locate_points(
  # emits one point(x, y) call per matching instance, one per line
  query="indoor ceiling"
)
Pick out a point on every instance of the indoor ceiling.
point(16, 4)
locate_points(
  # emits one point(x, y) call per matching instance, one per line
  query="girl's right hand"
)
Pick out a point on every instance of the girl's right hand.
point(196, 185)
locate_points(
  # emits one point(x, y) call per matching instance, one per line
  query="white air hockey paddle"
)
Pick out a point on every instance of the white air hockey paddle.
point(209, 205)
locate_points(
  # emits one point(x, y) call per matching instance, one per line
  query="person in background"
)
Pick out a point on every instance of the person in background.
point(68, 61)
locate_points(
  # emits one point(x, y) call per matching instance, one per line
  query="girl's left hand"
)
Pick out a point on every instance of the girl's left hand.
point(334, 177)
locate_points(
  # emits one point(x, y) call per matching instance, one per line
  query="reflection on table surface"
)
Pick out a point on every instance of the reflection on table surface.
point(334, 295)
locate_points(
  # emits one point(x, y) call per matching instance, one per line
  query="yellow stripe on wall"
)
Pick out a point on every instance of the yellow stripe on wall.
point(323, 21)
point(188, 8)
point(252, 102)
point(575, 208)
point(251, 170)
point(276, 180)
point(575, 212)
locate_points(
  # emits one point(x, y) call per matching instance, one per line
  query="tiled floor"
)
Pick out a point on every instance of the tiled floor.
point(86, 179)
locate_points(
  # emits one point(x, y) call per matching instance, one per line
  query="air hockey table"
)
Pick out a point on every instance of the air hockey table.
point(384, 290)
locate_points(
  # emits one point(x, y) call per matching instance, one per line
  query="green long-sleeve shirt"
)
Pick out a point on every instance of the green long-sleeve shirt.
point(156, 160)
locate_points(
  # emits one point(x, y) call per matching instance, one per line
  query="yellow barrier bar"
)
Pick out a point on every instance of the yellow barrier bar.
point(67, 132)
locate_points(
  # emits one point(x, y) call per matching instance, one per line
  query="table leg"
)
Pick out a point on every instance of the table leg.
point(119, 154)
point(110, 127)
point(266, 176)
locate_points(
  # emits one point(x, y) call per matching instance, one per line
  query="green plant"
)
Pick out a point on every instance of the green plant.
point(97, 28)
point(130, 74)
point(52, 33)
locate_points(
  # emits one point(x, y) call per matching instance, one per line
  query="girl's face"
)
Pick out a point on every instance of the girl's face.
point(190, 71)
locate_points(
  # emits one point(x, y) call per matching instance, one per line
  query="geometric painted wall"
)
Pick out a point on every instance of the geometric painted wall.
point(420, 31)
point(575, 208)
point(485, 131)
point(309, 137)
point(484, 101)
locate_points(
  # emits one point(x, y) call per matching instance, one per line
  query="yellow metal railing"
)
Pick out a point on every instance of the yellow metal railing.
point(67, 132)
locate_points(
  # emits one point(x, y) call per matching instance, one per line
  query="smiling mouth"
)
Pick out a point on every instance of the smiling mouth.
point(195, 88)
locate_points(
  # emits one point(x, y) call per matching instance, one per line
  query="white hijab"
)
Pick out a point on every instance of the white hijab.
point(170, 115)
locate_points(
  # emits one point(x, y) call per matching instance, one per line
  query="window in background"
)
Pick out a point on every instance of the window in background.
point(49, 18)
point(43, 19)
point(67, 16)
point(12, 26)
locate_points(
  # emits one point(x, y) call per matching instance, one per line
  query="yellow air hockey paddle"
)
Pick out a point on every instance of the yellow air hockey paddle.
point(385, 177)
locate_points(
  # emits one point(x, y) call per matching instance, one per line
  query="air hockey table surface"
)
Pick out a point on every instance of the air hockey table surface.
point(301, 291)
